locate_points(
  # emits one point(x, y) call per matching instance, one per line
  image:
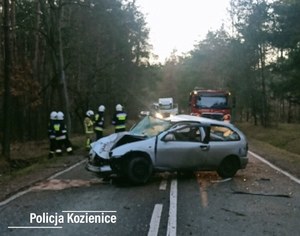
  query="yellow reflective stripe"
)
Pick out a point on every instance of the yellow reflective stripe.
point(121, 116)
point(56, 127)
point(98, 129)
point(120, 126)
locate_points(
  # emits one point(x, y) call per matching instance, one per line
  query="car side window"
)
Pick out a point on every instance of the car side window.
point(188, 134)
point(223, 133)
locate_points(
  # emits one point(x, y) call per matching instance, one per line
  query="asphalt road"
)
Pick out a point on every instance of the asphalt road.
point(257, 201)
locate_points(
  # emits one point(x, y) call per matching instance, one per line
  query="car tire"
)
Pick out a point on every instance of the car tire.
point(139, 170)
point(228, 167)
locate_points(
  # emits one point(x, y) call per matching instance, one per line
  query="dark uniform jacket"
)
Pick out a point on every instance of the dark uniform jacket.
point(119, 121)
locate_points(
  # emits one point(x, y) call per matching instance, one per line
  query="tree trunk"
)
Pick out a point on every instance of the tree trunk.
point(63, 83)
point(264, 113)
point(289, 113)
point(7, 75)
point(37, 44)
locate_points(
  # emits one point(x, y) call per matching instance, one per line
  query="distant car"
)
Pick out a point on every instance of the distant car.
point(144, 113)
point(181, 143)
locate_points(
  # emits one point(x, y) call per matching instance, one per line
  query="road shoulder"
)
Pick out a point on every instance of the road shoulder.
point(11, 183)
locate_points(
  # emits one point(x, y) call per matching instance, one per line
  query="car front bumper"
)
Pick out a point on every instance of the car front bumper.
point(98, 165)
point(98, 169)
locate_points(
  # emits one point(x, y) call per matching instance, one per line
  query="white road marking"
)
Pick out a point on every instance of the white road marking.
point(203, 192)
point(163, 185)
point(19, 194)
point(155, 220)
point(13, 197)
point(172, 222)
point(275, 167)
point(66, 170)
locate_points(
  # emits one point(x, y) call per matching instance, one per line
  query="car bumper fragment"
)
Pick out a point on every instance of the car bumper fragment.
point(105, 169)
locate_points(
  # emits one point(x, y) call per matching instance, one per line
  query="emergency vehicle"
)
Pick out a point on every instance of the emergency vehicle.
point(214, 104)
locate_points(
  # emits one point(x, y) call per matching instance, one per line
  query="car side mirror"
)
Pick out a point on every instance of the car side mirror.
point(169, 137)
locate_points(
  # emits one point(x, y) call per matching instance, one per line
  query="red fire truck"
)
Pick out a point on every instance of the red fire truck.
point(209, 103)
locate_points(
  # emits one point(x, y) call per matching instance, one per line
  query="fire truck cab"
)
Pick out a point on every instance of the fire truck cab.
point(209, 103)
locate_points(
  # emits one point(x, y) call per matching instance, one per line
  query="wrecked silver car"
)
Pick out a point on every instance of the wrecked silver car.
point(180, 143)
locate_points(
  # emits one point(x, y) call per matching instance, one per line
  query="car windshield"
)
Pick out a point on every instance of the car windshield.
point(212, 102)
point(150, 126)
point(165, 106)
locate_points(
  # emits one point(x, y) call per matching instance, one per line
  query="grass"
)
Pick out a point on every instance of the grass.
point(279, 144)
point(283, 136)
point(26, 157)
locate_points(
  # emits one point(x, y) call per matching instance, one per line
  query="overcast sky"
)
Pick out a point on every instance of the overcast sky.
point(179, 24)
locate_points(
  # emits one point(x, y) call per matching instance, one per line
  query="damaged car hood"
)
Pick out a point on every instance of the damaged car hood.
point(103, 146)
point(146, 128)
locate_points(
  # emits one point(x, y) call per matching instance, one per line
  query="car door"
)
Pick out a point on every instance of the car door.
point(183, 148)
point(224, 142)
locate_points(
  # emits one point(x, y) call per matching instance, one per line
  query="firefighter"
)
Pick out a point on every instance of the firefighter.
point(61, 135)
point(51, 134)
point(119, 119)
point(99, 122)
point(88, 128)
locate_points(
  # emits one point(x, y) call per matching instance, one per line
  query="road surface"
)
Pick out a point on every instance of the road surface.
point(259, 200)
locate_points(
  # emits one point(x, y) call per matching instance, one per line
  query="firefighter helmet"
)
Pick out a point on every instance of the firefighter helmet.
point(101, 108)
point(119, 107)
point(89, 113)
point(60, 115)
point(53, 115)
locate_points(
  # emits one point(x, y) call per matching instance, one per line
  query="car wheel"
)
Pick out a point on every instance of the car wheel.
point(139, 170)
point(228, 168)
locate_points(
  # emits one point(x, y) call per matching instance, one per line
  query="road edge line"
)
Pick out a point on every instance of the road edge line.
point(295, 179)
point(66, 170)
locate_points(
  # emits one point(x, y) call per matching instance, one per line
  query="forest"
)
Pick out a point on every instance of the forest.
point(74, 55)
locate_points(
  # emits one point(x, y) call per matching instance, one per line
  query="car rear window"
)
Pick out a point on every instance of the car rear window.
point(223, 133)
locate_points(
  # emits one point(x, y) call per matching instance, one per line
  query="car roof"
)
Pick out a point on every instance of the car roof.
point(183, 117)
